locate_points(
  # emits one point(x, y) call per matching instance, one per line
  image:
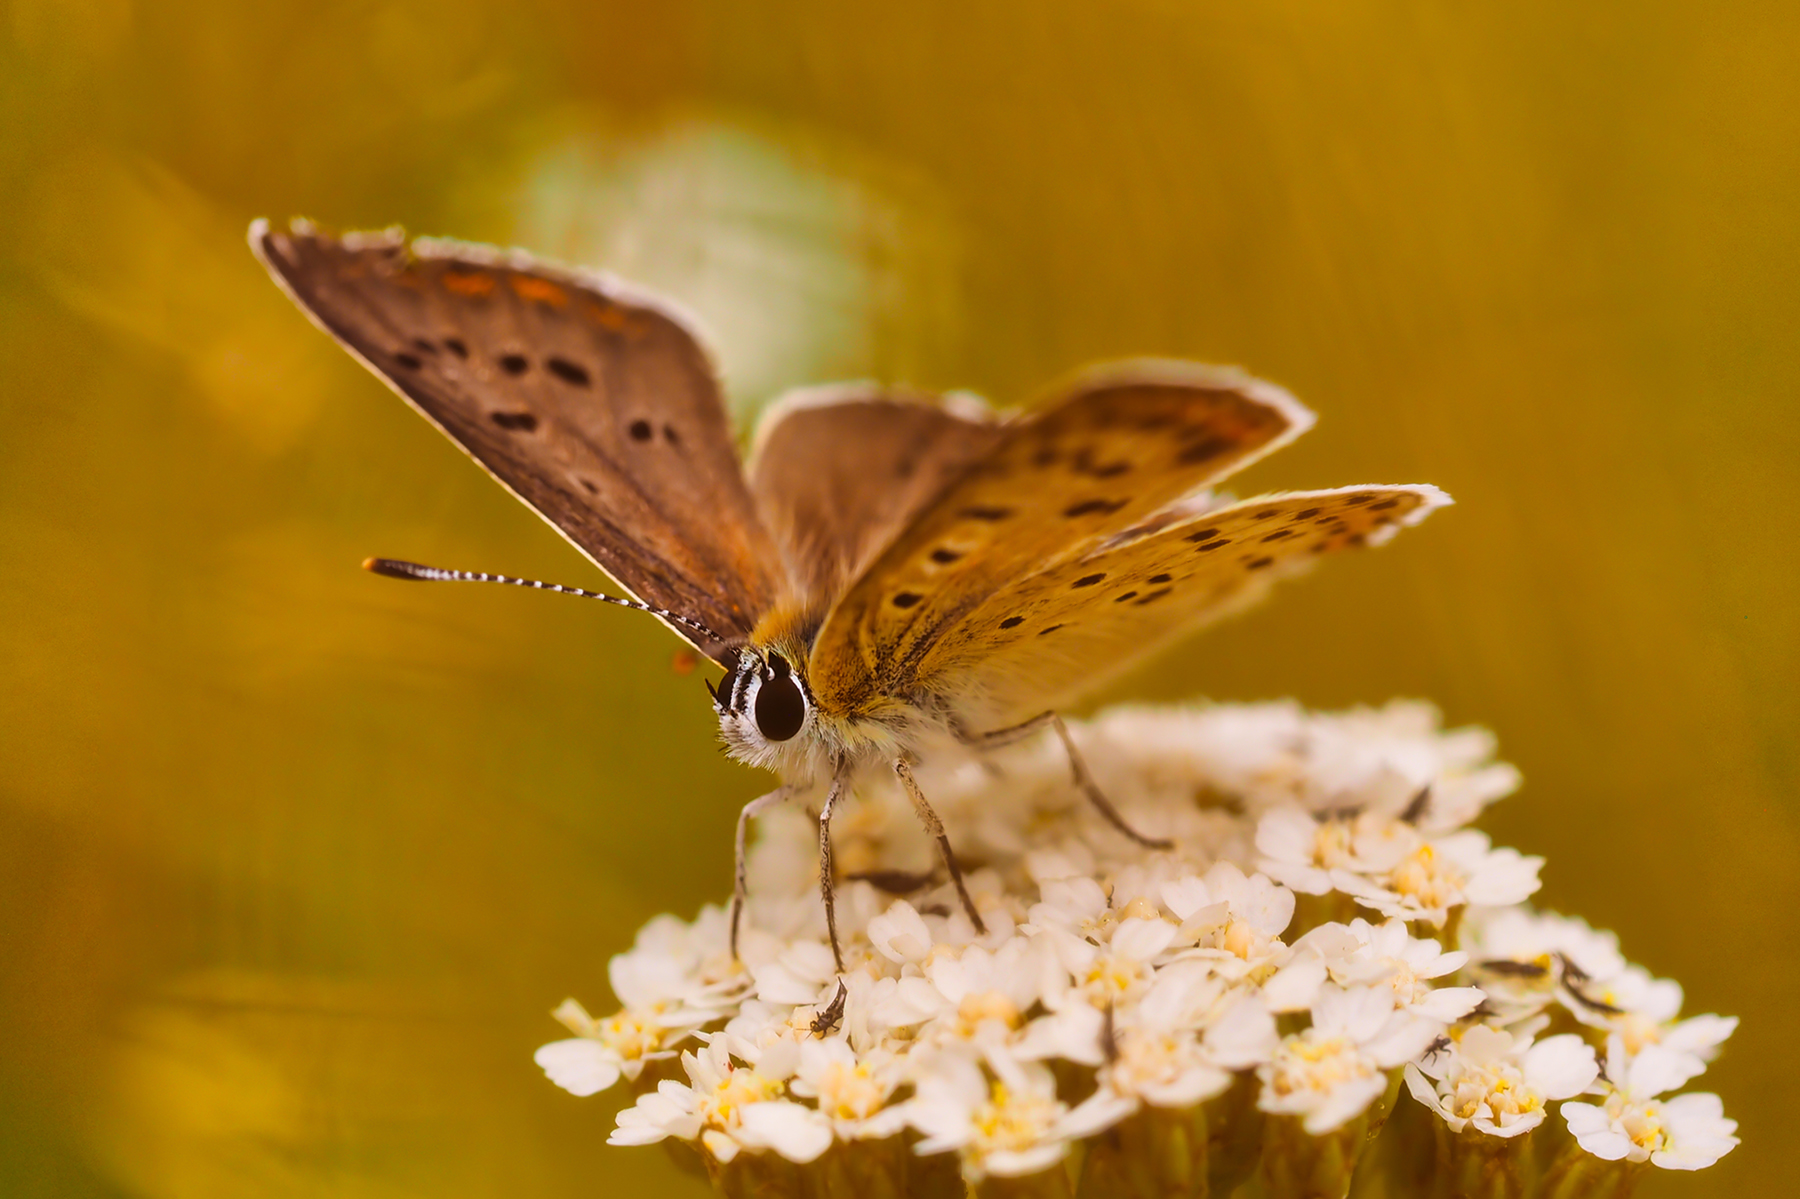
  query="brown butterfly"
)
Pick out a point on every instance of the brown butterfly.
point(891, 572)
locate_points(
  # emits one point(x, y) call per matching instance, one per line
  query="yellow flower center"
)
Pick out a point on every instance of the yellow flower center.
point(850, 1091)
point(1332, 844)
point(1316, 1063)
point(977, 1009)
point(630, 1033)
point(1240, 939)
point(1497, 1086)
point(1429, 879)
point(1012, 1122)
point(739, 1088)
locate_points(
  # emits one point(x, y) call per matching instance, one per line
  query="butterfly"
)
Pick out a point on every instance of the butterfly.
point(890, 573)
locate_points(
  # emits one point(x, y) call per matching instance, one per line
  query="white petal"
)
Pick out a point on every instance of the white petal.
point(1422, 1088)
point(1100, 1111)
point(579, 1066)
point(1345, 1103)
point(1296, 985)
point(1449, 1003)
point(1142, 939)
point(1505, 877)
point(1560, 1067)
point(1018, 1163)
point(1698, 1133)
point(777, 983)
point(1185, 896)
point(900, 934)
point(1591, 1126)
point(1243, 1036)
point(1700, 1035)
point(799, 1134)
point(1657, 1070)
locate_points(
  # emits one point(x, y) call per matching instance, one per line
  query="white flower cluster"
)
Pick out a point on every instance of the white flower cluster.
point(1245, 1004)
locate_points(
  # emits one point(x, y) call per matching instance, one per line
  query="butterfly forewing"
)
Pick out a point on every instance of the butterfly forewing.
point(1105, 458)
point(599, 411)
point(837, 472)
point(1067, 628)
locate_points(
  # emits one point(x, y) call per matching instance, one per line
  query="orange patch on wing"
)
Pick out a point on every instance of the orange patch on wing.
point(541, 290)
point(610, 315)
point(468, 283)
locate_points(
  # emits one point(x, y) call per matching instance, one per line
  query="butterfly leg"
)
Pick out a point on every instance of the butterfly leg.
point(935, 828)
point(827, 887)
point(1083, 780)
point(740, 889)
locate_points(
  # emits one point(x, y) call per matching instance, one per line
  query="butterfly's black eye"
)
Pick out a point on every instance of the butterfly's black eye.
point(780, 708)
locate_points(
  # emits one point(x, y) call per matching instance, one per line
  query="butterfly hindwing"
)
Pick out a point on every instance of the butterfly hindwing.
point(1070, 626)
point(599, 410)
point(838, 471)
point(1111, 453)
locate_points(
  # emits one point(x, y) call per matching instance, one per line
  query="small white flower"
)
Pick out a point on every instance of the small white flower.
point(1498, 1081)
point(1688, 1132)
point(1234, 921)
point(1006, 1125)
point(900, 934)
point(621, 1044)
point(971, 994)
point(852, 1091)
point(1447, 872)
point(1176, 1048)
point(1364, 954)
point(1642, 1010)
point(677, 978)
point(1331, 1072)
point(578, 1065)
point(715, 1108)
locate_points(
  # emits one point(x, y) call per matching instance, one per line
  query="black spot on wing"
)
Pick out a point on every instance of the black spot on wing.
point(456, 346)
point(1203, 451)
point(409, 361)
point(670, 435)
point(907, 599)
point(1213, 545)
point(1203, 535)
point(1119, 599)
point(1154, 595)
point(986, 512)
point(1012, 622)
point(424, 347)
point(569, 372)
point(1087, 580)
point(640, 430)
point(1048, 631)
point(1091, 507)
point(514, 364)
point(515, 422)
point(1159, 578)
point(944, 557)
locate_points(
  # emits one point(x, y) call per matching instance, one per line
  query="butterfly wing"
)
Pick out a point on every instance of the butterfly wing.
point(598, 409)
point(1113, 451)
point(837, 472)
point(1065, 629)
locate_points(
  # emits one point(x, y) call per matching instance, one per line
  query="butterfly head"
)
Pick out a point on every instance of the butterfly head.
point(765, 707)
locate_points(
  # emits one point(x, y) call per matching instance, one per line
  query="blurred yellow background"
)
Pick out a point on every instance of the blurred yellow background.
point(294, 861)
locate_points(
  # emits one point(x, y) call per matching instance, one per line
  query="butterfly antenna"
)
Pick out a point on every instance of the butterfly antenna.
point(394, 568)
